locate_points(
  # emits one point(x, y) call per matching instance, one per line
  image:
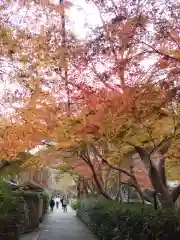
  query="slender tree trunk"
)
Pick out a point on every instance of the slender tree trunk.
point(85, 187)
point(107, 175)
point(119, 192)
point(96, 180)
point(128, 192)
point(90, 188)
point(94, 187)
point(155, 201)
point(136, 186)
point(78, 190)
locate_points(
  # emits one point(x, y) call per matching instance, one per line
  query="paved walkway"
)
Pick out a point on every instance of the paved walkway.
point(61, 226)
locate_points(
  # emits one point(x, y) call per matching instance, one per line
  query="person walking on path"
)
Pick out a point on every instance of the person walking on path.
point(57, 200)
point(64, 203)
point(52, 203)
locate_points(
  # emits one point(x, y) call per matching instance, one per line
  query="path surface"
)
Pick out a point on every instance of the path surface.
point(61, 226)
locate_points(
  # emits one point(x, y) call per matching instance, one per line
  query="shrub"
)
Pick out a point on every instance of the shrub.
point(46, 198)
point(75, 204)
point(112, 220)
point(20, 211)
point(32, 208)
point(11, 209)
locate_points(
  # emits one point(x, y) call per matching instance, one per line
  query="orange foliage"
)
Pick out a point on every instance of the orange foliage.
point(82, 169)
point(122, 108)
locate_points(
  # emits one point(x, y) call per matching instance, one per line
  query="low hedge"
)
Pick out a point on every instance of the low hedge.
point(46, 198)
point(20, 211)
point(31, 217)
point(112, 220)
point(12, 213)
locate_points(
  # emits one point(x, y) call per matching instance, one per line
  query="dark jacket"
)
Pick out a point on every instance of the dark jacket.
point(52, 203)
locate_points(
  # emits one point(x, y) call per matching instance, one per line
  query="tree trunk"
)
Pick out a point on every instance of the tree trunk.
point(96, 180)
point(119, 192)
point(162, 192)
point(106, 179)
point(85, 192)
point(136, 185)
point(78, 190)
point(80, 187)
point(90, 188)
point(128, 192)
point(94, 187)
point(155, 201)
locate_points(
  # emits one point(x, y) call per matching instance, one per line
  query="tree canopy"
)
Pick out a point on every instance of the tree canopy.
point(105, 100)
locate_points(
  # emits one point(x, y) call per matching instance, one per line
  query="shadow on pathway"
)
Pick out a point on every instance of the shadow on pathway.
point(61, 226)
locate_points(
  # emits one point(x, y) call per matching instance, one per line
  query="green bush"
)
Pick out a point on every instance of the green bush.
point(20, 211)
point(112, 220)
point(11, 209)
point(75, 204)
point(32, 209)
point(46, 198)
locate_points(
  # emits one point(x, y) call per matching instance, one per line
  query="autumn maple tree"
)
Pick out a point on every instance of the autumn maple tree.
point(102, 100)
point(149, 111)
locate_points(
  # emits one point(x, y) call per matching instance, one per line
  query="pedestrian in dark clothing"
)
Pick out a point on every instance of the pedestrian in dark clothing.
point(52, 203)
point(62, 201)
point(64, 204)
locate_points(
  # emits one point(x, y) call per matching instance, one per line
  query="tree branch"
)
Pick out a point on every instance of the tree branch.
point(101, 191)
point(160, 53)
point(136, 186)
point(119, 192)
point(144, 155)
point(112, 166)
point(134, 183)
point(165, 143)
point(106, 179)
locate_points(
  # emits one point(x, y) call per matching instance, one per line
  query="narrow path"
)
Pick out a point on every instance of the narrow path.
point(64, 226)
